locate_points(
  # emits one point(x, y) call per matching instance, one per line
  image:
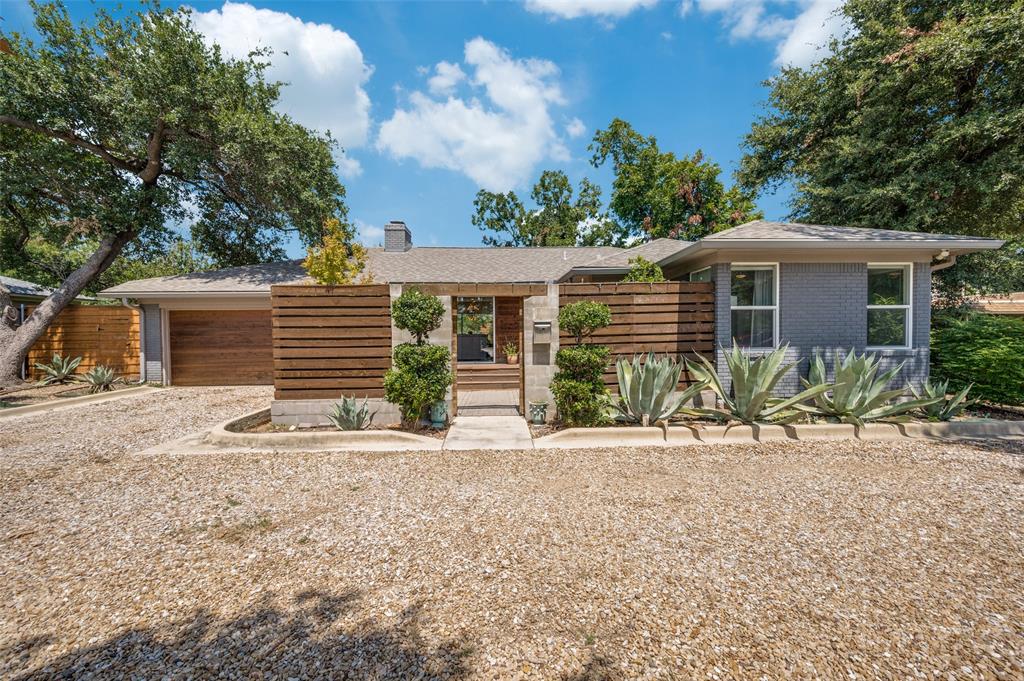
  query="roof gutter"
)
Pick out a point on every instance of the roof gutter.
point(183, 294)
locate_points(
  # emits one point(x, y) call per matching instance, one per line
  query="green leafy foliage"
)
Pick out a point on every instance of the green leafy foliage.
point(100, 379)
point(643, 270)
point(655, 194)
point(417, 313)
point(59, 370)
point(751, 399)
point(578, 386)
point(946, 406)
point(647, 389)
point(337, 260)
point(983, 350)
point(558, 219)
point(912, 122)
point(859, 394)
point(582, 319)
point(511, 349)
point(349, 414)
point(419, 375)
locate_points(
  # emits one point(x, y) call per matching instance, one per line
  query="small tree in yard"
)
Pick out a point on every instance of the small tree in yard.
point(642, 270)
point(337, 260)
point(420, 373)
point(578, 385)
point(116, 127)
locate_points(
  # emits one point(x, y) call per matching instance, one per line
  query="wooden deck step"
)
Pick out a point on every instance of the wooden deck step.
point(487, 376)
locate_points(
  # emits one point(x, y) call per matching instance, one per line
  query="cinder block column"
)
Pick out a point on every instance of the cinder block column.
point(539, 361)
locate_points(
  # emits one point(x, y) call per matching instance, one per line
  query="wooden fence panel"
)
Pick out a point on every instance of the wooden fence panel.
point(675, 318)
point(330, 341)
point(99, 334)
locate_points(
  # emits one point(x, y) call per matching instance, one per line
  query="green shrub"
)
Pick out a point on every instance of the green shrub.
point(417, 313)
point(643, 271)
point(985, 350)
point(582, 319)
point(59, 370)
point(419, 376)
point(578, 386)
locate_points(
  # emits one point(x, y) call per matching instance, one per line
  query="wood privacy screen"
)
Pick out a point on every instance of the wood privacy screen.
point(330, 341)
point(99, 334)
point(674, 318)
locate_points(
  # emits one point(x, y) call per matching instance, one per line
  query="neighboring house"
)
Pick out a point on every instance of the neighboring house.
point(24, 291)
point(1007, 304)
point(815, 288)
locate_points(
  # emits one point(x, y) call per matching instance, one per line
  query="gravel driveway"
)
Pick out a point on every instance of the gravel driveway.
point(800, 561)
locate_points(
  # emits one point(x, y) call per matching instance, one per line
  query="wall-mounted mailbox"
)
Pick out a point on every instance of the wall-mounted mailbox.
point(542, 332)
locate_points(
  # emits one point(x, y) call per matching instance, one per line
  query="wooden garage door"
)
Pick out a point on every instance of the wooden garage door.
point(221, 347)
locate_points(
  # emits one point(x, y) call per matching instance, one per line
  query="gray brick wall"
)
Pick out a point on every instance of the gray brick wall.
point(823, 308)
point(152, 344)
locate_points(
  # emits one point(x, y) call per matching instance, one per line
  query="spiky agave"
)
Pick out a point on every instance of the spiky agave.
point(947, 406)
point(59, 370)
point(100, 379)
point(647, 389)
point(350, 415)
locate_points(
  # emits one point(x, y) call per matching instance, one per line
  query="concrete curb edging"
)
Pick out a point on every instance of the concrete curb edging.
point(55, 405)
point(682, 435)
point(351, 440)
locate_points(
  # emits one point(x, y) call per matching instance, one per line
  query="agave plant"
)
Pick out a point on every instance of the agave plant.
point(752, 400)
point(859, 394)
point(350, 415)
point(59, 370)
point(100, 379)
point(947, 406)
point(647, 389)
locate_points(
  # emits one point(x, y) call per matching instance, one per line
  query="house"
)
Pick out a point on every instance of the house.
point(1011, 304)
point(23, 292)
point(813, 287)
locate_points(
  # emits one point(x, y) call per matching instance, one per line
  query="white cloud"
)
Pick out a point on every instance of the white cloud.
point(447, 76)
point(575, 128)
point(574, 9)
point(367, 234)
point(322, 66)
point(497, 133)
point(800, 34)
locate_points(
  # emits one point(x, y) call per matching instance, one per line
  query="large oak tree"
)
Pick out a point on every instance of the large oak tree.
point(114, 128)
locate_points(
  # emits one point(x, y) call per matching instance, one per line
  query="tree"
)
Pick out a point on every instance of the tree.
point(914, 123)
point(113, 129)
point(557, 220)
point(337, 260)
point(655, 194)
point(643, 270)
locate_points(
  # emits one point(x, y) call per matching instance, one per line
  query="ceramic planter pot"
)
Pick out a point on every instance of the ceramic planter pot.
point(438, 414)
point(538, 412)
point(513, 359)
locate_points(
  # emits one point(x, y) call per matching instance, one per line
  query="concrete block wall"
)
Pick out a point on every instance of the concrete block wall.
point(539, 361)
point(152, 344)
point(822, 309)
point(306, 413)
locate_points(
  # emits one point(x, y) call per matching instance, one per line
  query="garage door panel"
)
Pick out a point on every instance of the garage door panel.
point(221, 347)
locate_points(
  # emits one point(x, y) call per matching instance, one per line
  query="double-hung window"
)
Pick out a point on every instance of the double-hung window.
point(889, 301)
point(755, 306)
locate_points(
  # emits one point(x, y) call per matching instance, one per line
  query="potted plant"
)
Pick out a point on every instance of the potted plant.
point(512, 352)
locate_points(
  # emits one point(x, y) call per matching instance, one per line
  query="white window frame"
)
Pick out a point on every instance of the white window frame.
point(753, 266)
point(703, 269)
point(908, 275)
point(494, 322)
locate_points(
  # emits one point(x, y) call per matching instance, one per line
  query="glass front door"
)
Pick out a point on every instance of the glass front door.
point(475, 329)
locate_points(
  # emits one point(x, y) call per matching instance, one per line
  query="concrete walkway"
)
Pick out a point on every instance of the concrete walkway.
point(488, 432)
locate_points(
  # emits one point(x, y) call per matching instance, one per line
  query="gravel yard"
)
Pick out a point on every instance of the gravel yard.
point(804, 561)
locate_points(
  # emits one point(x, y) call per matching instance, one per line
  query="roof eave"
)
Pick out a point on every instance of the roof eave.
point(108, 293)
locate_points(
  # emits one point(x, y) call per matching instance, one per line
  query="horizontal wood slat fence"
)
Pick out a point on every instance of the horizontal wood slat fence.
point(674, 318)
point(99, 334)
point(330, 341)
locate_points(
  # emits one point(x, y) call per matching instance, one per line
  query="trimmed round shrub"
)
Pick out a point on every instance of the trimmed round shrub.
point(419, 376)
point(579, 391)
point(418, 313)
point(582, 319)
point(985, 350)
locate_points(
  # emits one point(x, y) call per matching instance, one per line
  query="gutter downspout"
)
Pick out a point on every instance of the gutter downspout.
point(950, 260)
point(24, 362)
point(142, 338)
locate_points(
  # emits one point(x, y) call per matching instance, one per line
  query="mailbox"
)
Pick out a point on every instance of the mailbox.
point(542, 333)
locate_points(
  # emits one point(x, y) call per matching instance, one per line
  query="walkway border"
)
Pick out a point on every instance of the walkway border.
point(67, 403)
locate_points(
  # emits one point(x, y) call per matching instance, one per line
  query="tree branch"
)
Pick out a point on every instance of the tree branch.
point(74, 140)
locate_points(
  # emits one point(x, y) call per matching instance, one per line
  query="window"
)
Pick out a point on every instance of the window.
point(701, 275)
point(754, 303)
point(889, 306)
point(474, 325)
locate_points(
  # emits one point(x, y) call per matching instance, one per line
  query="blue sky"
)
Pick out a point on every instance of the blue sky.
point(434, 100)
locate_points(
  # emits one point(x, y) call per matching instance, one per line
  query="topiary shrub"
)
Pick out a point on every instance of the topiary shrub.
point(579, 391)
point(582, 319)
point(642, 270)
point(418, 313)
point(419, 376)
point(985, 350)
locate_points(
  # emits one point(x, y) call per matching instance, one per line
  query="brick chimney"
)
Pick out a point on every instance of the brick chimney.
point(397, 237)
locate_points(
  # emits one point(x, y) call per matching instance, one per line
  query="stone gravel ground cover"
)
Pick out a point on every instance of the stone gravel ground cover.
point(831, 560)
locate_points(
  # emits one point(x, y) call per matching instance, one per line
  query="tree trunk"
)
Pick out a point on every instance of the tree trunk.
point(15, 341)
